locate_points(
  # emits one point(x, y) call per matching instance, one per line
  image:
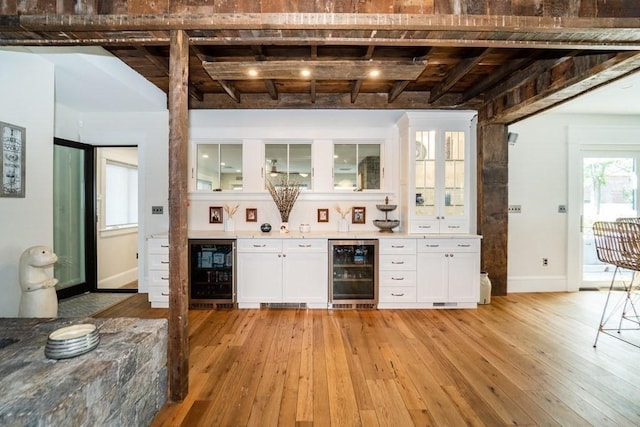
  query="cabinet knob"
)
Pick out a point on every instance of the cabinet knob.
point(279, 255)
point(284, 255)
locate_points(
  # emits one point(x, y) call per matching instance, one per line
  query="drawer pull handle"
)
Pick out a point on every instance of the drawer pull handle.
point(164, 246)
point(397, 246)
point(164, 262)
point(460, 245)
point(397, 295)
point(424, 226)
point(164, 278)
point(397, 262)
point(165, 294)
point(397, 278)
point(259, 246)
point(304, 246)
point(433, 246)
point(454, 226)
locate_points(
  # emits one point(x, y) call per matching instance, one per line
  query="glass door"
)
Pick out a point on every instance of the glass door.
point(73, 238)
point(609, 192)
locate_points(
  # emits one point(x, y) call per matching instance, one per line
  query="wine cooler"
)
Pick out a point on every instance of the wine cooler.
point(353, 272)
point(212, 275)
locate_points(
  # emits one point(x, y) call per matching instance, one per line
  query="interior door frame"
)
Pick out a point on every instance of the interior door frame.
point(90, 283)
point(581, 140)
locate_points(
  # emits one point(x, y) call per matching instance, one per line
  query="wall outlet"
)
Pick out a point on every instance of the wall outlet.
point(545, 262)
point(156, 210)
point(562, 208)
point(515, 208)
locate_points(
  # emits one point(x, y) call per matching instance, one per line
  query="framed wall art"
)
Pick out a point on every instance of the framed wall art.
point(215, 214)
point(358, 215)
point(12, 166)
point(251, 215)
point(323, 215)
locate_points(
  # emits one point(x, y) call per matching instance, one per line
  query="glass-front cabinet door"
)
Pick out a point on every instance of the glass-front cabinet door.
point(439, 172)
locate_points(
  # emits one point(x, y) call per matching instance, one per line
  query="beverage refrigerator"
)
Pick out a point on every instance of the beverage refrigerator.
point(353, 273)
point(212, 275)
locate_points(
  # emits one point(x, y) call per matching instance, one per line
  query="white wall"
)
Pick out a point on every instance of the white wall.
point(27, 88)
point(538, 176)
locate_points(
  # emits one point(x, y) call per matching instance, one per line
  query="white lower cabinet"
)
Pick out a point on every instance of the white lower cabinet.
point(282, 271)
point(158, 271)
point(448, 273)
point(397, 273)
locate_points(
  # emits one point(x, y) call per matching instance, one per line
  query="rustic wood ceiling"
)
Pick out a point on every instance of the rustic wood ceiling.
point(508, 67)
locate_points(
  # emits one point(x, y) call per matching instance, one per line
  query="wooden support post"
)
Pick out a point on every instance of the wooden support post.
point(178, 345)
point(493, 203)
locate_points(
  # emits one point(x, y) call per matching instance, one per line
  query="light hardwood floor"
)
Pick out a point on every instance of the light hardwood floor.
point(526, 359)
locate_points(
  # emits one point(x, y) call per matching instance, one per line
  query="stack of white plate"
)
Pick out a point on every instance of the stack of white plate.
point(72, 341)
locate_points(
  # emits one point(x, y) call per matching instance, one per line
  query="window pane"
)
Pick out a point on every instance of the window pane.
point(369, 166)
point(231, 166)
point(292, 161)
point(219, 167)
point(356, 166)
point(121, 195)
point(344, 166)
point(208, 167)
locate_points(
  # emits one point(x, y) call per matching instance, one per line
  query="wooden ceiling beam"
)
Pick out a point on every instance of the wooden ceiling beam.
point(357, 84)
point(460, 70)
point(397, 89)
point(230, 90)
point(318, 69)
point(557, 84)
point(499, 75)
point(269, 83)
point(407, 100)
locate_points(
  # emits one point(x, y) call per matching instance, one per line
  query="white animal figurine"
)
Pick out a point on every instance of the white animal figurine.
point(39, 297)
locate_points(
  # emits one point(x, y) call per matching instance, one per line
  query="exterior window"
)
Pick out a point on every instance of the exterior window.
point(290, 161)
point(356, 167)
point(219, 167)
point(121, 195)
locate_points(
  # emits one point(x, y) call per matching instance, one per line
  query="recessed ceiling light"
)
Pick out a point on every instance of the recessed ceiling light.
point(305, 72)
point(253, 72)
point(374, 73)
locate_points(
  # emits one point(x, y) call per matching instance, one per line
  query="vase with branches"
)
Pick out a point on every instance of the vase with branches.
point(229, 224)
point(284, 194)
point(343, 224)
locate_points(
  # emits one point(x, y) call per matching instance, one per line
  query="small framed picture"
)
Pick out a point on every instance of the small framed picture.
point(358, 215)
point(251, 215)
point(215, 214)
point(323, 215)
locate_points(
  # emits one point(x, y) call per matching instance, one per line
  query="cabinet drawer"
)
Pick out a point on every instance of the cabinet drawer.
point(159, 261)
point(305, 245)
point(397, 246)
point(397, 278)
point(259, 245)
point(449, 245)
point(159, 276)
point(397, 262)
point(424, 226)
point(158, 293)
point(397, 294)
point(158, 245)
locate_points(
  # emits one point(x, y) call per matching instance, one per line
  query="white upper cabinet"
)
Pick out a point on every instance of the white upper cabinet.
point(436, 188)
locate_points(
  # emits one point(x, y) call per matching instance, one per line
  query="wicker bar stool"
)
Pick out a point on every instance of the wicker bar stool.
point(618, 243)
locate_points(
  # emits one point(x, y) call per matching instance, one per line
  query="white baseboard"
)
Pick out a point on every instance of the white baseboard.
point(518, 284)
point(119, 280)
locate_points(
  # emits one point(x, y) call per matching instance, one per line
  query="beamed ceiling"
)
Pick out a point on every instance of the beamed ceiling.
point(507, 67)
